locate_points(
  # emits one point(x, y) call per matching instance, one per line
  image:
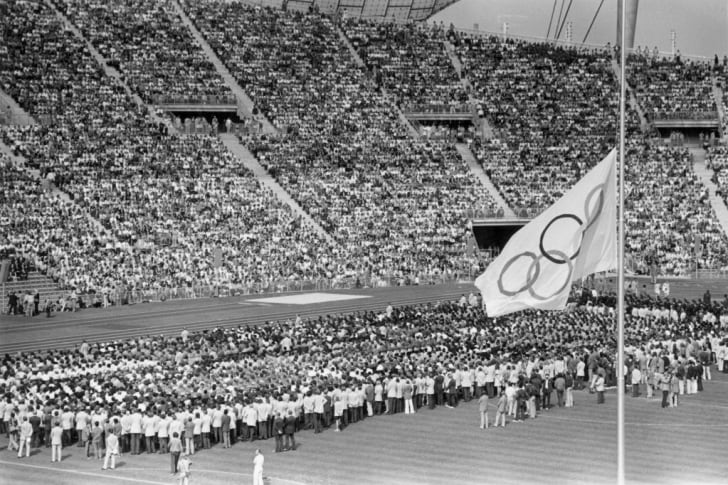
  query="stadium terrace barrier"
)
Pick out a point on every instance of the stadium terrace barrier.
point(684, 115)
point(163, 99)
point(280, 286)
point(438, 108)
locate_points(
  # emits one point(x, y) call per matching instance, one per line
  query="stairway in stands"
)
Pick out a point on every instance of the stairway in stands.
point(360, 62)
point(246, 103)
point(706, 176)
point(12, 113)
point(477, 170)
point(718, 96)
point(108, 70)
point(232, 143)
point(632, 99)
point(485, 127)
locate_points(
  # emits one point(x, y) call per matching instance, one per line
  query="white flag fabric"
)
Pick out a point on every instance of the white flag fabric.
point(575, 237)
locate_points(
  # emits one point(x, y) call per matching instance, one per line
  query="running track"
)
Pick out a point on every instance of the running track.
point(672, 446)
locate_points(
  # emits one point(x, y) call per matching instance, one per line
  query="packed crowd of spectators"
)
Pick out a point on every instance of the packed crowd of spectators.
point(394, 204)
point(409, 61)
point(151, 47)
point(397, 208)
point(717, 160)
point(553, 109)
point(668, 213)
point(136, 181)
point(670, 87)
point(334, 371)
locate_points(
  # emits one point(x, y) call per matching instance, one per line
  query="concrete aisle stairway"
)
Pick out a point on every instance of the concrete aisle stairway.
point(478, 171)
point(718, 96)
point(706, 175)
point(18, 115)
point(110, 71)
point(485, 127)
point(246, 103)
point(232, 143)
point(360, 62)
point(632, 98)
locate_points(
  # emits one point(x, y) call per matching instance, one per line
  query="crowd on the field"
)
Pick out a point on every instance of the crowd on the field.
point(228, 384)
point(151, 47)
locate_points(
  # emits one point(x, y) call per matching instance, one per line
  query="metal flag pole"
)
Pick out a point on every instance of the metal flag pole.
point(620, 250)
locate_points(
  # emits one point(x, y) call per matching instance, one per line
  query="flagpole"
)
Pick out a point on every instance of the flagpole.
point(620, 250)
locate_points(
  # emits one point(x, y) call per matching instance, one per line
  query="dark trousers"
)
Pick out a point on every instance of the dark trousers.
point(600, 397)
point(163, 445)
point(67, 437)
point(290, 442)
point(150, 444)
point(546, 399)
point(440, 398)
point(490, 388)
point(560, 398)
point(174, 458)
point(317, 420)
point(279, 443)
point(635, 390)
point(206, 440)
point(251, 432)
point(665, 402)
point(135, 437)
point(216, 434)
point(263, 430)
point(431, 401)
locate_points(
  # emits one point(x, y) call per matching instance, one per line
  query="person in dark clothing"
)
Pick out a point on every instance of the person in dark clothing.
point(12, 303)
point(289, 431)
point(439, 391)
point(278, 431)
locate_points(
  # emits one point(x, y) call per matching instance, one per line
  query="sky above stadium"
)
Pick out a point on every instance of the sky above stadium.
point(701, 26)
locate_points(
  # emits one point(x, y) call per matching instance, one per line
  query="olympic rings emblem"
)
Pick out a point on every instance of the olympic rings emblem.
point(556, 256)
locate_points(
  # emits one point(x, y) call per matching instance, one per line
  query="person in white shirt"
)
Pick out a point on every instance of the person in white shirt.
point(163, 432)
point(258, 468)
point(82, 418)
point(67, 425)
point(183, 468)
point(217, 424)
point(136, 431)
point(149, 424)
point(205, 425)
point(112, 449)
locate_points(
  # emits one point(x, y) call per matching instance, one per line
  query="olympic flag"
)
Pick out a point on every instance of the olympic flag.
point(575, 237)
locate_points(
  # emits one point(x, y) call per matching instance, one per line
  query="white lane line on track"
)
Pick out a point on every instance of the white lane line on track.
point(667, 425)
point(219, 472)
point(105, 476)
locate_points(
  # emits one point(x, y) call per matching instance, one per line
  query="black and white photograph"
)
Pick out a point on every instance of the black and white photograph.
point(363, 242)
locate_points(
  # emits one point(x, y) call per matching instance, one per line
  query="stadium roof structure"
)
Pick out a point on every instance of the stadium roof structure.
point(396, 10)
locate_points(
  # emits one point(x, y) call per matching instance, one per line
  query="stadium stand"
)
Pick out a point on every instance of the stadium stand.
point(410, 62)
point(671, 87)
point(397, 207)
point(147, 42)
point(380, 194)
